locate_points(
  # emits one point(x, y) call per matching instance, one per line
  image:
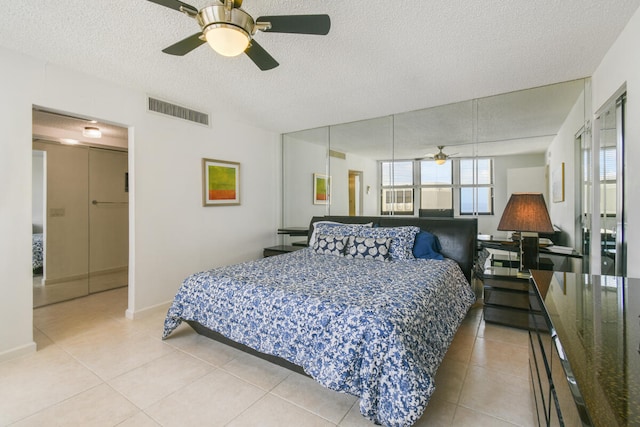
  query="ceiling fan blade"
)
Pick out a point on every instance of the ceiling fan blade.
point(260, 57)
point(184, 46)
point(298, 24)
point(175, 5)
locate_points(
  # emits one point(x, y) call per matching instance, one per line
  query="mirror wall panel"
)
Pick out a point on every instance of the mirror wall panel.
point(419, 133)
point(304, 154)
point(422, 134)
point(66, 220)
point(355, 152)
point(512, 132)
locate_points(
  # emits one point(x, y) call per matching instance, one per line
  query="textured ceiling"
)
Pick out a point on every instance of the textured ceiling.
point(524, 121)
point(379, 58)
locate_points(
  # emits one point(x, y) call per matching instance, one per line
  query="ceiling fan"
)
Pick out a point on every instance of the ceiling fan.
point(229, 30)
point(440, 157)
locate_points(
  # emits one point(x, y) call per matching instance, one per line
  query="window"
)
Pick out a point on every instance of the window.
point(397, 188)
point(608, 181)
point(476, 187)
point(398, 201)
point(435, 185)
point(397, 173)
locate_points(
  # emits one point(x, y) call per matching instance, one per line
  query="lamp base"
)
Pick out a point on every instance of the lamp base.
point(529, 251)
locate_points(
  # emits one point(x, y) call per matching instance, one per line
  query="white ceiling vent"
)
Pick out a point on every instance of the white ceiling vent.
point(178, 111)
point(337, 154)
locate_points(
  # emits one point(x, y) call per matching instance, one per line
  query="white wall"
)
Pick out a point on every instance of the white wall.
point(488, 224)
point(339, 171)
point(172, 234)
point(562, 150)
point(527, 180)
point(370, 179)
point(37, 200)
point(17, 76)
point(622, 64)
point(301, 160)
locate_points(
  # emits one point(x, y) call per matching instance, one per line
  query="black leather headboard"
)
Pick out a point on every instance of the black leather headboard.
point(456, 235)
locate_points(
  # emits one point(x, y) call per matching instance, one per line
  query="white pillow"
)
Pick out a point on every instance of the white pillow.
point(312, 239)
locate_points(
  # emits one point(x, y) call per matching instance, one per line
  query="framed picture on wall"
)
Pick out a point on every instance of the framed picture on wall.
point(321, 189)
point(557, 184)
point(220, 183)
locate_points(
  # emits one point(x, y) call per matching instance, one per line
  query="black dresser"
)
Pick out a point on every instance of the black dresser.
point(584, 350)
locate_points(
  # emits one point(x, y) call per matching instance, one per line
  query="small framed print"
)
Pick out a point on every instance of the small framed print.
point(220, 183)
point(321, 189)
point(557, 184)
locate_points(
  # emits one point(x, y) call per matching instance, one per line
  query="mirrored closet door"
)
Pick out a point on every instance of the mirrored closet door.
point(80, 207)
point(609, 133)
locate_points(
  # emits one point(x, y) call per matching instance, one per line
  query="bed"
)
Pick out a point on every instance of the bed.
point(374, 329)
point(38, 257)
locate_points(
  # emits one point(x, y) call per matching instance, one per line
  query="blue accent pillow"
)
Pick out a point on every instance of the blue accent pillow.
point(329, 244)
point(402, 239)
point(427, 246)
point(376, 248)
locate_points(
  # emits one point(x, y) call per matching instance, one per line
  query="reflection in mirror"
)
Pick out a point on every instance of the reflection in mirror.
point(64, 197)
point(459, 159)
point(418, 134)
point(304, 154)
point(356, 149)
point(610, 135)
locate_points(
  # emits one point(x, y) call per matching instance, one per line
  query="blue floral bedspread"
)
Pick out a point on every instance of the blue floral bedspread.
point(377, 330)
point(36, 244)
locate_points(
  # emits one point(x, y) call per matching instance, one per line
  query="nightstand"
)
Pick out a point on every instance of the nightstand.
point(506, 296)
point(279, 250)
point(506, 301)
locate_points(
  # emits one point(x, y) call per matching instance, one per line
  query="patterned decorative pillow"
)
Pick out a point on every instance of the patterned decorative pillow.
point(402, 239)
point(314, 233)
point(376, 248)
point(330, 244)
point(336, 228)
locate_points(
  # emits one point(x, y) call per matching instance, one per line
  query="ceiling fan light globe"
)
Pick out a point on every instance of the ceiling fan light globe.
point(227, 40)
point(441, 161)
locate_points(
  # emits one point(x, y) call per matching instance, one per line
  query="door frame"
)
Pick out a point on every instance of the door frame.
point(357, 195)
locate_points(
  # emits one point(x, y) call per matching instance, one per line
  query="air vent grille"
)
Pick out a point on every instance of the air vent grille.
point(337, 154)
point(178, 111)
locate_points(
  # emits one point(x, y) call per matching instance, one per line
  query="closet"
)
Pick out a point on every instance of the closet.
point(84, 217)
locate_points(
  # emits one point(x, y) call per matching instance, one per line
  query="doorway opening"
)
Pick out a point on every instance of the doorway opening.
point(356, 197)
point(80, 208)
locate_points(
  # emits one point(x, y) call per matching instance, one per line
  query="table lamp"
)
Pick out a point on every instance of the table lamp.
point(527, 214)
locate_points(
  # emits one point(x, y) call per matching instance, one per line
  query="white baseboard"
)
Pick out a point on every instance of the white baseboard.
point(132, 315)
point(18, 351)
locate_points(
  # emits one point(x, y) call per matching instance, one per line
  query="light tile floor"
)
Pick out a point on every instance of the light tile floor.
point(94, 367)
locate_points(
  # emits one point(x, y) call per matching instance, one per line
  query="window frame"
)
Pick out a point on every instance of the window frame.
point(455, 187)
point(476, 186)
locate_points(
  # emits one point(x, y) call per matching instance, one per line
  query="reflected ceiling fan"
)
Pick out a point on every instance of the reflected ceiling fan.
point(440, 157)
point(229, 30)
